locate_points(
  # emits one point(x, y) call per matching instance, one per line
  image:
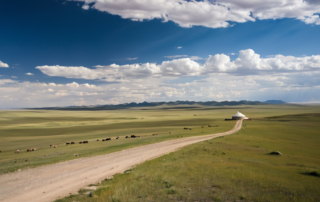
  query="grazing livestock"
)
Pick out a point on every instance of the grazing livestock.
point(54, 146)
point(84, 142)
point(127, 136)
point(17, 152)
point(67, 143)
point(97, 139)
point(103, 140)
point(187, 128)
point(134, 136)
point(80, 142)
point(28, 150)
point(0, 151)
point(72, 142)
point(34, 149)
point(154, 134)
point(116, 138)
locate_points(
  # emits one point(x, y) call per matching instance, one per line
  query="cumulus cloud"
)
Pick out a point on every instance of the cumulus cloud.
point(29, 74)
point(247, 62)
point(179, 47)
point(288, 86)
point(208, 13)
point(5, 65)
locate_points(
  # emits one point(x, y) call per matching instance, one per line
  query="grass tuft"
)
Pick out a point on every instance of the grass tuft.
point(171, 191)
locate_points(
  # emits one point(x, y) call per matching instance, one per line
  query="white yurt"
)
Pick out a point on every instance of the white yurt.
point(239, 116)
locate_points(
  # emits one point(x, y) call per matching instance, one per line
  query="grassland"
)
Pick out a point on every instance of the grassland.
point(232, 168)
point(22, 130)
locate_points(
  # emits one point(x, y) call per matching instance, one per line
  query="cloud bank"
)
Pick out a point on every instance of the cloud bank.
point(247, 62)
point(209, 13)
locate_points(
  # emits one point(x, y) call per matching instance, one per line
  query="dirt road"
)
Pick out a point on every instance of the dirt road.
point(48, 183)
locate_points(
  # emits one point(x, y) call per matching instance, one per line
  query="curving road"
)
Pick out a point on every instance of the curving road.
point(48, 183)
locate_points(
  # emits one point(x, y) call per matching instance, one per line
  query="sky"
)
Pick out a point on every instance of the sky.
point(95, 52)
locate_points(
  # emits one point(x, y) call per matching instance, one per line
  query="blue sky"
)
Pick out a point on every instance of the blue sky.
point(87, 52)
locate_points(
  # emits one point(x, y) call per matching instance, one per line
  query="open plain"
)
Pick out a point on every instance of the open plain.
point(237, 168)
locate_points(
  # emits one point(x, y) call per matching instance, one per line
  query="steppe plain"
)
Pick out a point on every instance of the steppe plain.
point(236, 167)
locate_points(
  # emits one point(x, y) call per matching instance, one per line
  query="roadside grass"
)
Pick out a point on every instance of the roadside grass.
point(231, 168)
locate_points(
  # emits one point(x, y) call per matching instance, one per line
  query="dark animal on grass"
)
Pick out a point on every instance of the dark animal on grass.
point(107, 139)
point(84, 142)
point(97, 139)
point(80, 142)
point(275, 153)
point(72, 142)
point(34, 149)
point(51, 145)
point(17, 152)
point(127, 136)
point(28, 150)
point(103, 140)
point(54, 146)
point(67, 143)
point(117, 137)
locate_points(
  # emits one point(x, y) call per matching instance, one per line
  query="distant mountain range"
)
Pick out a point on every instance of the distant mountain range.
point(164, 104)
point(275, 102)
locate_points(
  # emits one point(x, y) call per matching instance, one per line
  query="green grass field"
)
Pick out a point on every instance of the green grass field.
point(231, 168)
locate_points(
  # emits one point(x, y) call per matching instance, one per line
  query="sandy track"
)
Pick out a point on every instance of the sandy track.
point(48, 183)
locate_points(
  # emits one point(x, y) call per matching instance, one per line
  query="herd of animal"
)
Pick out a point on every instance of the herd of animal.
point(107, 139)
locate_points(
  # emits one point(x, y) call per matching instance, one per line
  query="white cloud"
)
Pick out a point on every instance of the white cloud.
point(132, 59)
point(29, 74)
point(180, 67)
point(292, 86)
point(5, 65)
point(247, 62)
point(208, 13)
point(196, 58)
point(7, 81)
point(179, 47)
point(85, 7)
point(176, 56)
point(219, 62)
point(14, 77)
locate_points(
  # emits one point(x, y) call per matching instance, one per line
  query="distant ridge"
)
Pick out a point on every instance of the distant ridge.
point(155, 104)
point(275, 102)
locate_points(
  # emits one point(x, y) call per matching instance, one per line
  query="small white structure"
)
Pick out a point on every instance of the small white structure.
point(239, 116)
